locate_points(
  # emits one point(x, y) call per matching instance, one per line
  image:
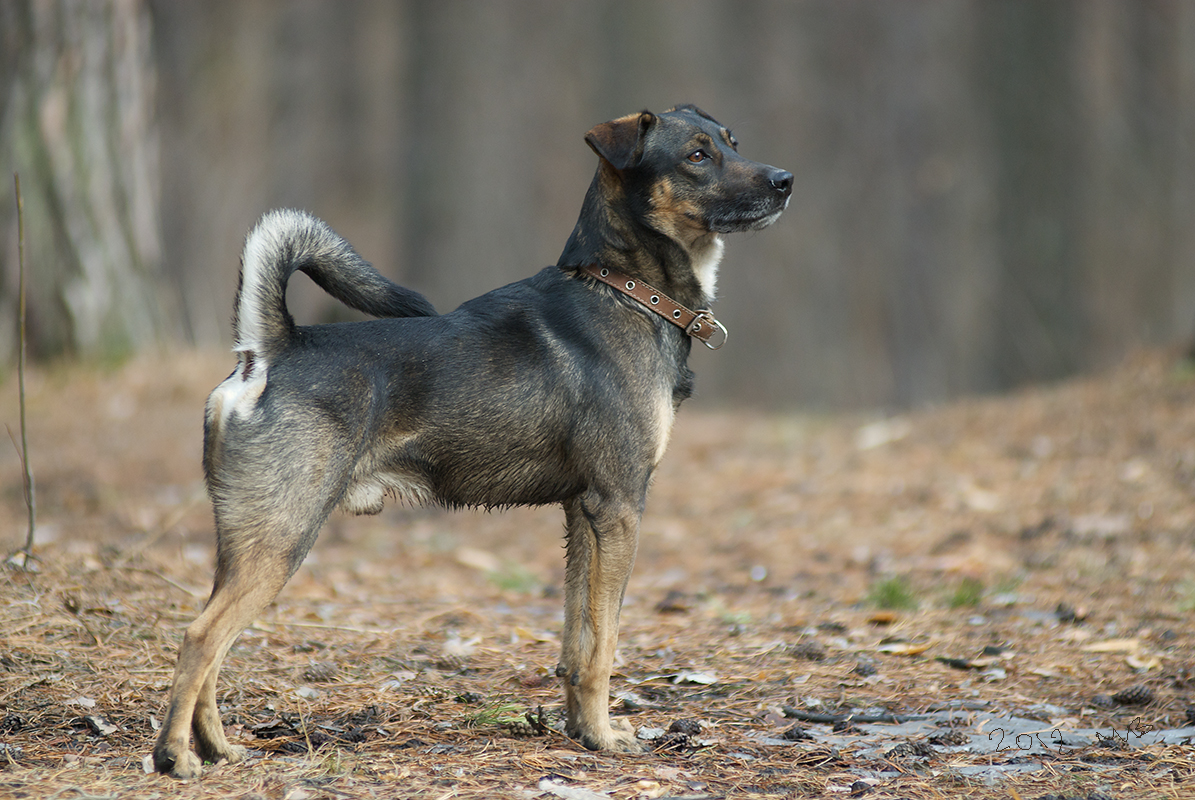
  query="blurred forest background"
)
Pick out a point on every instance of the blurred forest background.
point(988, 193)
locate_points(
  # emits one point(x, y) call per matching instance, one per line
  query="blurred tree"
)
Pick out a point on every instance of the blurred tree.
point(77, 105)
point(987, 193)
point(1025, 75)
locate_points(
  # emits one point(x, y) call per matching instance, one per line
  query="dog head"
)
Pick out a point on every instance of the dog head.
point(682, 173)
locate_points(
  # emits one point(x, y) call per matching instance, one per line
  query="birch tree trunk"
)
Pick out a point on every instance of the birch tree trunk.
point(77, 105)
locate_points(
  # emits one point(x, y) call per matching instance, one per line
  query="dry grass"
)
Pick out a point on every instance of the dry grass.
point(411, 654)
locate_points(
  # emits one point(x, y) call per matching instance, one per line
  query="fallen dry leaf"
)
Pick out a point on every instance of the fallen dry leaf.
point(1113, 646)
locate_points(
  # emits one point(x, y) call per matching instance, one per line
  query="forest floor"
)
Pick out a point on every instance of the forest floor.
point(991, 598)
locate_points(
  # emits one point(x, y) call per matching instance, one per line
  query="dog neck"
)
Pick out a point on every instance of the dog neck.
point(609, 233)
point(700, 324)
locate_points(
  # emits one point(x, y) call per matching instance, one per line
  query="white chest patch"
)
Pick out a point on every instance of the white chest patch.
point(705, 265)
point(665, 414)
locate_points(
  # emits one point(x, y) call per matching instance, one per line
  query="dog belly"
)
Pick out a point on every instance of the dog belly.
point(366, 494)
point(506, 485)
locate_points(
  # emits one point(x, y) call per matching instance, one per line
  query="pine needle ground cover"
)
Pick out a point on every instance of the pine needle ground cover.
point(993, 598)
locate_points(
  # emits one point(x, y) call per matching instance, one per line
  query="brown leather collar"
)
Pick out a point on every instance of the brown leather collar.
point(700, 324)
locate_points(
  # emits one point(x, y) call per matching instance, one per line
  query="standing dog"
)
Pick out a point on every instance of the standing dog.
point(560, 388)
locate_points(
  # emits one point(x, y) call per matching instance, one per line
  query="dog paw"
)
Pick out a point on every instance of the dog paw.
point(228, 754)
point(184, 766)
point(623, 738)
point(225, 753)
point(236, 754)
point(618, 737)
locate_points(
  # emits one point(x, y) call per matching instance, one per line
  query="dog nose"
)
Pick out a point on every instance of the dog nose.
point(782, 181)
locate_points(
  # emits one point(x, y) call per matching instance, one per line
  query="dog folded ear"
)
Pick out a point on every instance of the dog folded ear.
point(694, 109)
point(620, 141)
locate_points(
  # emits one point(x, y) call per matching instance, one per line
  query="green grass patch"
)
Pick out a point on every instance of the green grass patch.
point(967, 594)
point(495, 715)
point(893, 593)
point(514, 578)
point(1186, 596)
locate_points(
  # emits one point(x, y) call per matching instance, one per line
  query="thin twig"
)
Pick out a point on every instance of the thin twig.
point(153, 537)
point(264, 627)
point(835, 719)
point(191, 590)
point(30, 495)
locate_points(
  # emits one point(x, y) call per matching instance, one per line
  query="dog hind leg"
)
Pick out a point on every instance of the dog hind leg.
point(602, 540)
point(253, 564)
point(210, 741)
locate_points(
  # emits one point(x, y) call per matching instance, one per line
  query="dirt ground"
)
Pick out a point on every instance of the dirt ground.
point(1031, 556)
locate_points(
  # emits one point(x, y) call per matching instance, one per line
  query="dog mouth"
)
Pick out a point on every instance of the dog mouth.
point(754, 217)
point(768, 219)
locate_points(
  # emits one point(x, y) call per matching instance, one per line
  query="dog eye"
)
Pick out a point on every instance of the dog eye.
point(697, 156)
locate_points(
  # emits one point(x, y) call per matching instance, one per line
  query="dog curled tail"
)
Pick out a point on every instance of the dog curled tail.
point(285, 240)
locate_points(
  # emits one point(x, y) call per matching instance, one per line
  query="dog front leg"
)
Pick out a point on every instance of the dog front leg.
point(602, 540)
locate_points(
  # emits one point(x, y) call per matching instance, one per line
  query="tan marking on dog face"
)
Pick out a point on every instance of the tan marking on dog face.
point(674, 216)
point(610, 181)
point(704, 141)
point(741, 174)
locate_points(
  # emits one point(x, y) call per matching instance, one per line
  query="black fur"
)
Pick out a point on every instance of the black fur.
point(555, 389)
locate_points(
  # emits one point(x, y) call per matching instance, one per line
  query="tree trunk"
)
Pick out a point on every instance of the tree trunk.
point(77, 95)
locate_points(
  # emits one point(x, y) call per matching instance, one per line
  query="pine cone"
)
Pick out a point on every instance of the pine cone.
point(519, 727)
point(922, 749)
point(451, 663)
point(949, 739)
point(673, 742)
point(320, 672)
point(864, 669)
point(1139, 695)
point(797, 733)
point(808, 650)
point(689, 727)
point(901, 752)
point(909, 750)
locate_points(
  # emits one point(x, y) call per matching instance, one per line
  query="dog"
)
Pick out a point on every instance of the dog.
point(560, 388)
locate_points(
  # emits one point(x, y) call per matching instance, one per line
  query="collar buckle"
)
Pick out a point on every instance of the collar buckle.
point(705, 326)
